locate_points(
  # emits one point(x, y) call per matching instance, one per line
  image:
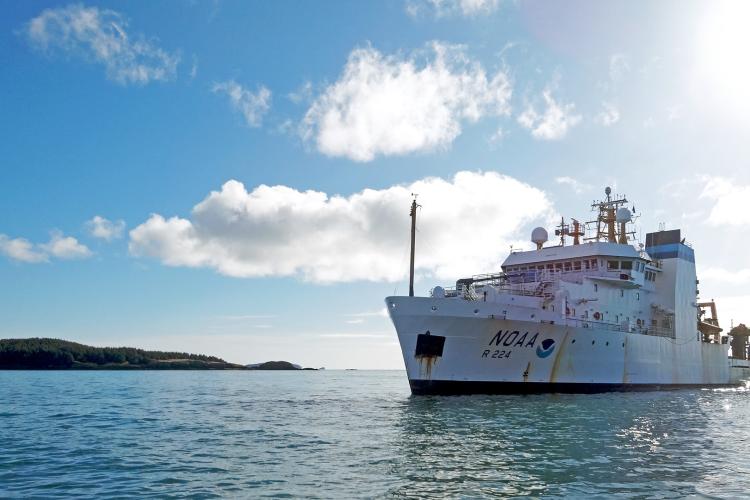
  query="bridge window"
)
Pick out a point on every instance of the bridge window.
point(626, 264)
point(586, 264)
point(567, 266)
point(558, 266)
point(577, 265)
point(593, 264)
point(613, 265)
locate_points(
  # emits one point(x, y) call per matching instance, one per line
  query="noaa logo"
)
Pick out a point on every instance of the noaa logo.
point(544, 350)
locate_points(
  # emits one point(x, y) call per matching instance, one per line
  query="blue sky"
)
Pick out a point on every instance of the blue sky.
point(503, 115)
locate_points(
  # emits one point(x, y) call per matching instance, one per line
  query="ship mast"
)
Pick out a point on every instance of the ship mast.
point(611, 213)
point(413, 215)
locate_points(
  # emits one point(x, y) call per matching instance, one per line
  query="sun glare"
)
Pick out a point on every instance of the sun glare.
point(722, 58)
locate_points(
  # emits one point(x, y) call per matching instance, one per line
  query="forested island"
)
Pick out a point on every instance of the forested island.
point(55, 354)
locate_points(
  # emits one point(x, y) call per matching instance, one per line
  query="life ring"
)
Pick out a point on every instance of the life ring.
point(597, 315)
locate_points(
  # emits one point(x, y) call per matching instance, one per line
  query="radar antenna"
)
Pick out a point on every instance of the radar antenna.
point(611, 213)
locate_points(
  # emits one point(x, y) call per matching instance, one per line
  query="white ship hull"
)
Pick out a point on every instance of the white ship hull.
point(480, 353)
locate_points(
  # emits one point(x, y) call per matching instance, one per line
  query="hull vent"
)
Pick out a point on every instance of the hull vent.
point(429, 345)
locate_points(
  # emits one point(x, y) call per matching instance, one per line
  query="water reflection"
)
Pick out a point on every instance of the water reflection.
point(557, 445)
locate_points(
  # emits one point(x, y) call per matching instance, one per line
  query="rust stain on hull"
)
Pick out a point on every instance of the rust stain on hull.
point(625, 378)
point(556, 364)
point(425, 365)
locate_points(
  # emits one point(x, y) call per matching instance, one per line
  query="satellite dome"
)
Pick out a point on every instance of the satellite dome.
point(623, 215)
point(608, 190)
point(539, 236)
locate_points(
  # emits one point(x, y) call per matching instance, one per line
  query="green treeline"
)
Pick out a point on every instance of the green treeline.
point(42, 353)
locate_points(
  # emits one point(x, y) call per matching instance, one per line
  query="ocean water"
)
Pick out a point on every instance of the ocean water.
point(355, 434)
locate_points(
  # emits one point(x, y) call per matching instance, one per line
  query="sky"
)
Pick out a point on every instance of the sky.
point(234, 178)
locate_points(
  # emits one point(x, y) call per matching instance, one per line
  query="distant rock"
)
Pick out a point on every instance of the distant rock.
point(276, 365)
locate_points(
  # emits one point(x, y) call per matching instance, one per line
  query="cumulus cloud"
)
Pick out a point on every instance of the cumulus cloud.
point(394, 104)
point(445, 8)
point(20, 249)
point(65, 247)
point(105, 229)
point(100, 36)
point(609, 115)
point(465, 227)
point(252, 105)
point(553, 122)
point(730, 201)
point(59, 246)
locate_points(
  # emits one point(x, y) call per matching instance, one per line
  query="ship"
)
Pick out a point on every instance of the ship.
point(585, 314)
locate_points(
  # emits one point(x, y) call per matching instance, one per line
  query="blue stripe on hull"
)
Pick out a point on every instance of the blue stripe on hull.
point(455, 387)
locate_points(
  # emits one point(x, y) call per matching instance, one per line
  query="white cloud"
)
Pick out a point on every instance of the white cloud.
point(497, 137)
point(577, 186)
point(20, 249)
point(194, 68)
point(383, 313)
point(302, 94)
point(101, 36)
point(609, 115)
point(243, 317)
point(252, 105)
point(355, 321)
point(105, 229)
point(730, 201)
point(59, 245)
point(619, 65)
point(551, 124)
point(732, 309)
point(724, 276)
point(394, 105)
point(279, 231)
point(65, 247)
point(445, 8)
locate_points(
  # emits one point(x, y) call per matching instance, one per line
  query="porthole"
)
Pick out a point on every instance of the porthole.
point(476, 311)
point(434, 308)
point(606, 343)
point(573, 341)
point(593, 342)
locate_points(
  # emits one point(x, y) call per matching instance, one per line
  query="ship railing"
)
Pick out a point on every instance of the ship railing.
point(531, 283)
point(547, 275)
point(625, 327)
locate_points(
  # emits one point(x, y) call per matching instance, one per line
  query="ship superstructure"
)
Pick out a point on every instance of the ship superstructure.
point(598, 314)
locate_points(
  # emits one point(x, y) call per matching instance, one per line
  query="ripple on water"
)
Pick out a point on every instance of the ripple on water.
point(357, 434)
